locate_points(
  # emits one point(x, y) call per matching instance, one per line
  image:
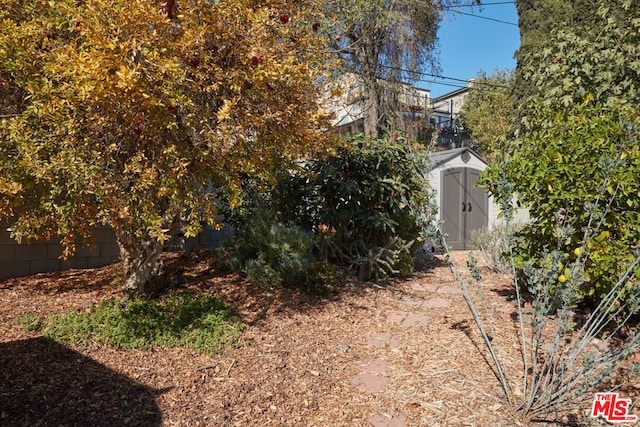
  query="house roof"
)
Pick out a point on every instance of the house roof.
point(440, 157)
point(451, 94)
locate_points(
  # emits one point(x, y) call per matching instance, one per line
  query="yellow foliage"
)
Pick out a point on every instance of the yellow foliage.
point(129, 115)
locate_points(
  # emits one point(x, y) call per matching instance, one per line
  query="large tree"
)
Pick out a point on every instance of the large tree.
point(577, 120)
point(571, 47)
point(129, 113)
point(386, 43)
point(487, 112)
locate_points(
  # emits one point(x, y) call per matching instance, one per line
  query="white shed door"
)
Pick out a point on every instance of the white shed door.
point(464, 207)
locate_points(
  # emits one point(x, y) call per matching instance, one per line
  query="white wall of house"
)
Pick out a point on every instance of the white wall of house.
point(446, 108)
point(348, 107)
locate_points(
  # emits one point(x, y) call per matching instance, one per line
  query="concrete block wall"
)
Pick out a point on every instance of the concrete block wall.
point(43, 256)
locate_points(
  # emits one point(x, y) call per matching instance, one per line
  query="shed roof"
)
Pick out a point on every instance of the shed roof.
point(440, 157)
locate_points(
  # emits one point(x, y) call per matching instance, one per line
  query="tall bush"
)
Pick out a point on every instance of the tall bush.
point(368, 205)
point(560, 170)
point(373, 204)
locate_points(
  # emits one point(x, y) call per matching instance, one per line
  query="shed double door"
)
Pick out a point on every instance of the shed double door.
point(464, 206)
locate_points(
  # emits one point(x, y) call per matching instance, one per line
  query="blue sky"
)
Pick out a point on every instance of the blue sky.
point(469, 44)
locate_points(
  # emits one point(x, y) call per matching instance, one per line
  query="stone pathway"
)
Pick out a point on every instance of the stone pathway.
point(415, 315)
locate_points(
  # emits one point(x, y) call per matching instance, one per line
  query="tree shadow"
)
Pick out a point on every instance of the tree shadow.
point(43, 383)
point(252, 304)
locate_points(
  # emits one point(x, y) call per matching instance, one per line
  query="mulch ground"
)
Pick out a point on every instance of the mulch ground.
point(405, 354)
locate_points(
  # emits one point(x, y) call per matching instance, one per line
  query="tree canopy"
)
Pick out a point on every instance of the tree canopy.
point(568, 52)
point(487, 112)
point(574, 161)
point(132, 113)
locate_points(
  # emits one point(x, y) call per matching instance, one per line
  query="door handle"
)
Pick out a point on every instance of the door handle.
point(469, 210)
point(464, 207)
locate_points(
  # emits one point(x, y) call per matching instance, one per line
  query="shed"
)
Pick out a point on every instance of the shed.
point(462, 207)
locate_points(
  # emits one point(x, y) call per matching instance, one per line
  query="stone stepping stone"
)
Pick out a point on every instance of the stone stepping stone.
point(437, 303)
point(405, 318)
point(383, 420)
point(380, 340)
point(376, 366)
point(509, 313)
point(414, 319)
point(428, 287)
point(396, 316)
point(369, 382)
point(452, 290)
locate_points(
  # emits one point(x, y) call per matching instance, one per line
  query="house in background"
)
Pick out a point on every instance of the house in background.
point(422, 115)
point(455, 167)
point(445, 111)
point(349, 106)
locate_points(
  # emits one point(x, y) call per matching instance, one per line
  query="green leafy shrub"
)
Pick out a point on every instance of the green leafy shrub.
point(373, 204)
point(561, 170)
point(203, 323)
point(369, 206)
point(270, 253)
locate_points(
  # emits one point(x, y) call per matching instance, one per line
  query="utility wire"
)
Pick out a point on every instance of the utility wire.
point(438, 76)
point(481, 17)
point(481, 4)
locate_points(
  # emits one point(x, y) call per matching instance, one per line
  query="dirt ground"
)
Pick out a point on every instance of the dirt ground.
point(405, 354)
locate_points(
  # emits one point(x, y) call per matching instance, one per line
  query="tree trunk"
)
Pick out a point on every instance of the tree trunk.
point(140, 261)
point(391, 114)
point(371, 113)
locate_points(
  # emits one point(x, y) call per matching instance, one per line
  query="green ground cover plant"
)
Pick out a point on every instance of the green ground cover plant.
point(178, 319)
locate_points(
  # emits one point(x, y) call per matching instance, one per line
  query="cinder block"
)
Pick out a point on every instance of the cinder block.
point(104, 235)
point(110, 249)
point(75, 262)
point(54, 250)
point(44, 266)
point(216, 237)
point(193, 243)
point(33, 251)
point(87, 251)
point(14, 269)
point(7, 252)
point(5, 236)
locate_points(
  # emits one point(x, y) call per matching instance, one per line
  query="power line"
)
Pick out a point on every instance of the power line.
point(481, 17)
point(481, 4)
point(439, 76)
point(477, 86)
